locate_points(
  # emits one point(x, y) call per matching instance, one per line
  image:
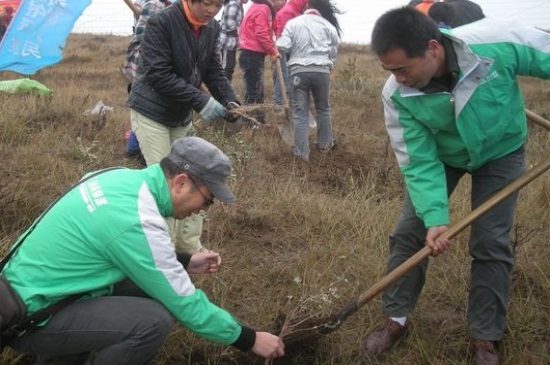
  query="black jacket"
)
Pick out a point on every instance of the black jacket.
point(464, 12)
point(173, 64)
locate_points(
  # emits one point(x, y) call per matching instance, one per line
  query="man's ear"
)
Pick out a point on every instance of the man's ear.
point(435, 47)
point(180, 181)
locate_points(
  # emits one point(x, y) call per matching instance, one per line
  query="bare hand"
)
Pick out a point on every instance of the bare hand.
point(274, 58)
point(268, 346)
point(437, 243)
point(204, 263)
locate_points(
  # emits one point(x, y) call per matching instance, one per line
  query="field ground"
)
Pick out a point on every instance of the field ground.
point(303, 239)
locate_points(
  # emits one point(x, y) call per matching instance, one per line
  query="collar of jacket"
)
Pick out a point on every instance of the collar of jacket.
point(470, 64)
point(191, 18)
point(158, 186)
point(312, 12)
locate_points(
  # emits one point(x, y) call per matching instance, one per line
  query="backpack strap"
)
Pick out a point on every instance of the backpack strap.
point(30, 323)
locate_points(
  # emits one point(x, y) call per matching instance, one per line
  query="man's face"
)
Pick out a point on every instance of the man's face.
point(188, 197)
point(205, 10)
point(413, 72)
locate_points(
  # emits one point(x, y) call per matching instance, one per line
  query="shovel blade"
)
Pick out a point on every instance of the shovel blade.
point(286, 128)
point(287, 133)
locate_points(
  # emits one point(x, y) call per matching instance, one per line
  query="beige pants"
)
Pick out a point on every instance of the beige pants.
point(155, 140)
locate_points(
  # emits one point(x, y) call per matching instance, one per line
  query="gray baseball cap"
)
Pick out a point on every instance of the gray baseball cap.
point(205, 161)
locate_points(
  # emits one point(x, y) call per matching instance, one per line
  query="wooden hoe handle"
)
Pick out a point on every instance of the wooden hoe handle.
point(425, 252)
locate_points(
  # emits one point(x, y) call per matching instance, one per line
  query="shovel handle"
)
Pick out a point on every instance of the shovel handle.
point(134, 8)
point(537, 119)
point(287, 129)
point(425, 252)
point(281, 79)
point(454, 230)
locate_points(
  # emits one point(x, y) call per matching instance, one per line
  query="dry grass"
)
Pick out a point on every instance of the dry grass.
point(303, 239)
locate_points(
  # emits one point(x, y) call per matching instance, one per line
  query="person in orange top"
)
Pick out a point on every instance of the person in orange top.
point(425, 5)
point(178, 54)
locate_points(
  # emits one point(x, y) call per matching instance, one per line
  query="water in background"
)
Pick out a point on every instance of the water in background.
point(114, 17)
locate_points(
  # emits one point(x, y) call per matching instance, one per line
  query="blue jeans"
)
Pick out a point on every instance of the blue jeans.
point(125, 328)
point(252, 65)
point(489, 247)
point(277, 93)
point(316, 83)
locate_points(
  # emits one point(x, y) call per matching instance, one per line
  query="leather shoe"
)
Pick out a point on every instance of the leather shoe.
point(484, 352)
point(381, 340)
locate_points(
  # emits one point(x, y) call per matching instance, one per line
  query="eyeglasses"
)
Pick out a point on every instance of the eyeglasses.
point(207, 201)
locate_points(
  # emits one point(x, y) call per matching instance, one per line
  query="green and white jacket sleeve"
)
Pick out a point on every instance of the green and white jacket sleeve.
point(416, 153)
point(144, 253)
point(525, 50)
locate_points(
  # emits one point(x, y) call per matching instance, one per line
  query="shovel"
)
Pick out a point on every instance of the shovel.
point(134, 8)
point(537, 119)
point(311, 329)
point(286, 129)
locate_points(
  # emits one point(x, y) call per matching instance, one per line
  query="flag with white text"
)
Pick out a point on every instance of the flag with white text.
point(33, 33)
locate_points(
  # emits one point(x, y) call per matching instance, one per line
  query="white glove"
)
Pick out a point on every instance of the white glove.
point(212, 111)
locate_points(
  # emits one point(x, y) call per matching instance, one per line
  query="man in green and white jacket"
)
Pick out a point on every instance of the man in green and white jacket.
point(453, 107)
point(108, 237)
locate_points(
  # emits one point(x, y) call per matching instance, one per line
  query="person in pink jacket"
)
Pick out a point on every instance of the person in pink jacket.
point(256, 41)
point(290, 10)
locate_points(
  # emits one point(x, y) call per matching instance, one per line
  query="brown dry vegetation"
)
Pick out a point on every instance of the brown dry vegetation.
point(303, 239)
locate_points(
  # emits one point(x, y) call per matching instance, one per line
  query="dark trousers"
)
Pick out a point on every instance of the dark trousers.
point(126, 328)
point(489, 247)
point(228, 62)
point(252, 65)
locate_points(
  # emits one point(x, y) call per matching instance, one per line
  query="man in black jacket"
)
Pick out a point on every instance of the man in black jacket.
point(464, 12)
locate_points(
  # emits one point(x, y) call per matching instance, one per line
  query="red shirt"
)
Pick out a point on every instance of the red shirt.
point(291, 10)
point(256, 33)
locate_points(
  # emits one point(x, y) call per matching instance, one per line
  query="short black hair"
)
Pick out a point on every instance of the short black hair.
point(171, 169)
point(405, 28)
point(441, 13)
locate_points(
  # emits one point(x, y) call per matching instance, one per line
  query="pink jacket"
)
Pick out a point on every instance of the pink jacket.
point(255, 33)
point(292, 9)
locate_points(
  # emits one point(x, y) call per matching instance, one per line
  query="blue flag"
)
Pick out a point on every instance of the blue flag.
point(35, 32)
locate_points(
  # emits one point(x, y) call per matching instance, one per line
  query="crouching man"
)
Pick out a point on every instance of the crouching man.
point(108, 239)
